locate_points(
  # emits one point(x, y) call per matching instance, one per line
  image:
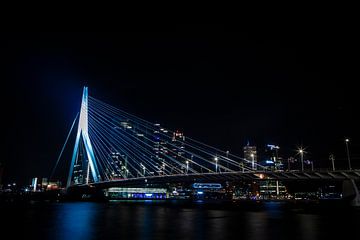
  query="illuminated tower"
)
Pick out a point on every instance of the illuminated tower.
point(82, 134)
point(160, 148)
point(250, 156)
point(273, 161)
point(178, 149)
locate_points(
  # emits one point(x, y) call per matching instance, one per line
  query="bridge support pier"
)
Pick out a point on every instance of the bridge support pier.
point(356, 201)
point(350, 190)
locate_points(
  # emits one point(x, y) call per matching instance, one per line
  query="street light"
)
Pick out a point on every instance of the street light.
point(216, 163)
point(227, 160)
point(301, 151)
point(332, 159)
point(163, 168)
point(347, 151)
point(187, 166)
point(252, 161)
point(143, 168)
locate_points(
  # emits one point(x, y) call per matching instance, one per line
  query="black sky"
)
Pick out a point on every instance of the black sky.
point(218, 83)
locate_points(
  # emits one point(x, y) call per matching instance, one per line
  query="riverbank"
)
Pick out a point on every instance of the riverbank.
point(238, 204)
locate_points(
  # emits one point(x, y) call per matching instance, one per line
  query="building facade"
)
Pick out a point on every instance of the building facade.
point(250, 156)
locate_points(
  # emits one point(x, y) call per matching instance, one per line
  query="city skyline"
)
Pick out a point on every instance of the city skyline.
point(218, 86)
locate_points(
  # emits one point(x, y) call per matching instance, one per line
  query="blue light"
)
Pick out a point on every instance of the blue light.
point(207, 185)
point(75, 220)
point(148, 194)
point(269, 162)
point(200, 193)
point(271, 146)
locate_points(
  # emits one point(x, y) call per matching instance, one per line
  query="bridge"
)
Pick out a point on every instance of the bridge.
point(114, 148)
point(232, 176)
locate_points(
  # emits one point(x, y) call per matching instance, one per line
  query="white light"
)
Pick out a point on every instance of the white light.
point(347, 140)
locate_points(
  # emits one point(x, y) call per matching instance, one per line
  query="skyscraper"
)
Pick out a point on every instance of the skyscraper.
point(177, 149)
point(250, 156)
point(160, 148)
point(272, 159)
point(79, 166)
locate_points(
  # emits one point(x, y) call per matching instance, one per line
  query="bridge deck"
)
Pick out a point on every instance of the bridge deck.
point(233, 176)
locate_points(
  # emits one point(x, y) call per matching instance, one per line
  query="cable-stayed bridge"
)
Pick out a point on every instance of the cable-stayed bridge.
point(113, 145)
point(115, 148)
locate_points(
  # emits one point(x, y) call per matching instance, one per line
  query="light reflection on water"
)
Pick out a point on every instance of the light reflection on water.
point(156, 220)
point(73, 221)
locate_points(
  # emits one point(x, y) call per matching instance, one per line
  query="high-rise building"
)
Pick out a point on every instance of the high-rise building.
point(250, 156)
point(272, 159)
point(177, 141)
point(119, 165)
point(80, 166)
point(44, 183)
point(178, 150)
point(34, 183)
point(160, 149)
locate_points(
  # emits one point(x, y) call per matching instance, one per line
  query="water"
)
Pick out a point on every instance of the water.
point(174, 220)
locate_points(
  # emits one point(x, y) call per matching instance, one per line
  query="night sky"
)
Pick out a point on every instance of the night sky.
point(218, 84)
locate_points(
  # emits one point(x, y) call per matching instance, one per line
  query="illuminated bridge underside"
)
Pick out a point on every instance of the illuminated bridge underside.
point(231, 176)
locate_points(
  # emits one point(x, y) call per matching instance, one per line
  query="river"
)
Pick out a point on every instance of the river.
point(176, 220)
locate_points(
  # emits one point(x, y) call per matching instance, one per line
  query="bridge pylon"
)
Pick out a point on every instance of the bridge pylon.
point(83, 134)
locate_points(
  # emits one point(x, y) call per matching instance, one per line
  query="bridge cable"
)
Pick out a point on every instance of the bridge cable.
point(150, 125)
point(62, 150)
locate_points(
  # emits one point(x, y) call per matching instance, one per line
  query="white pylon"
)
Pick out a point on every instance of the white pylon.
point(83, 133)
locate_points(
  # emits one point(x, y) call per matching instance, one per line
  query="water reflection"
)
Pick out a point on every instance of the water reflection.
point(152, 220)
point(307, 224)
point(75, 221)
